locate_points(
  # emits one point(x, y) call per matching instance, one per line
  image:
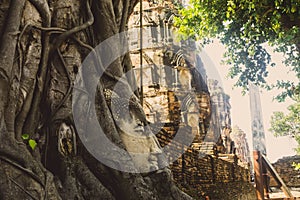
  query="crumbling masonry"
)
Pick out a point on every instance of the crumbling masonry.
point(177, 96)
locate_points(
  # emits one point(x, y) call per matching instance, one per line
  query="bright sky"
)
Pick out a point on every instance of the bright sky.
point(240, 111)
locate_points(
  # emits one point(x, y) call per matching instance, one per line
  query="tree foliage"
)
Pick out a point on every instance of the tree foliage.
point(287, 124)
point(244, 27)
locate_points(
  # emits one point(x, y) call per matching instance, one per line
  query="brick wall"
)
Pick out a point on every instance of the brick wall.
point(195, 168)
point(286, 171)
point(204, 175)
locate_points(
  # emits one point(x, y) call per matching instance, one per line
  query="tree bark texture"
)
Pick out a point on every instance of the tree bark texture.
point(43, 43)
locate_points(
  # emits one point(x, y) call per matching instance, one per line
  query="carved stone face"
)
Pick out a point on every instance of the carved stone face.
point(131, 124)
point(142, 147)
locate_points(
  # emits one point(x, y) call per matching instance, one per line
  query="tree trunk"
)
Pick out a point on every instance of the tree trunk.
point(43, 44)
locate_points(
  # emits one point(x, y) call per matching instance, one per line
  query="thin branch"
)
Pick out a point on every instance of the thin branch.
point(98, 60)
point(124, 16)
point(87, 46)
point(49, 29)
point(44, 10)
point(60, 39)
point(29, 172)
point(52, 30)
point(68, 93)
point(25, 191)
point(47, 132)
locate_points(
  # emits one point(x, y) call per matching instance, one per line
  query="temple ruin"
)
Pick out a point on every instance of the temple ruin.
point(178, 97)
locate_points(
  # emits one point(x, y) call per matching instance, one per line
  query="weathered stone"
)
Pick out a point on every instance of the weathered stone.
point(176, 96)
point(287, 172)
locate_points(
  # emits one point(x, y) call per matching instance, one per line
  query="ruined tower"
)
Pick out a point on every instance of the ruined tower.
point(174, 91)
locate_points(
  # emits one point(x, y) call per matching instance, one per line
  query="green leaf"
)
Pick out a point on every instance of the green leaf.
point(32, 144)
point(296, 165)
point(25, 136)
point(293, 9)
